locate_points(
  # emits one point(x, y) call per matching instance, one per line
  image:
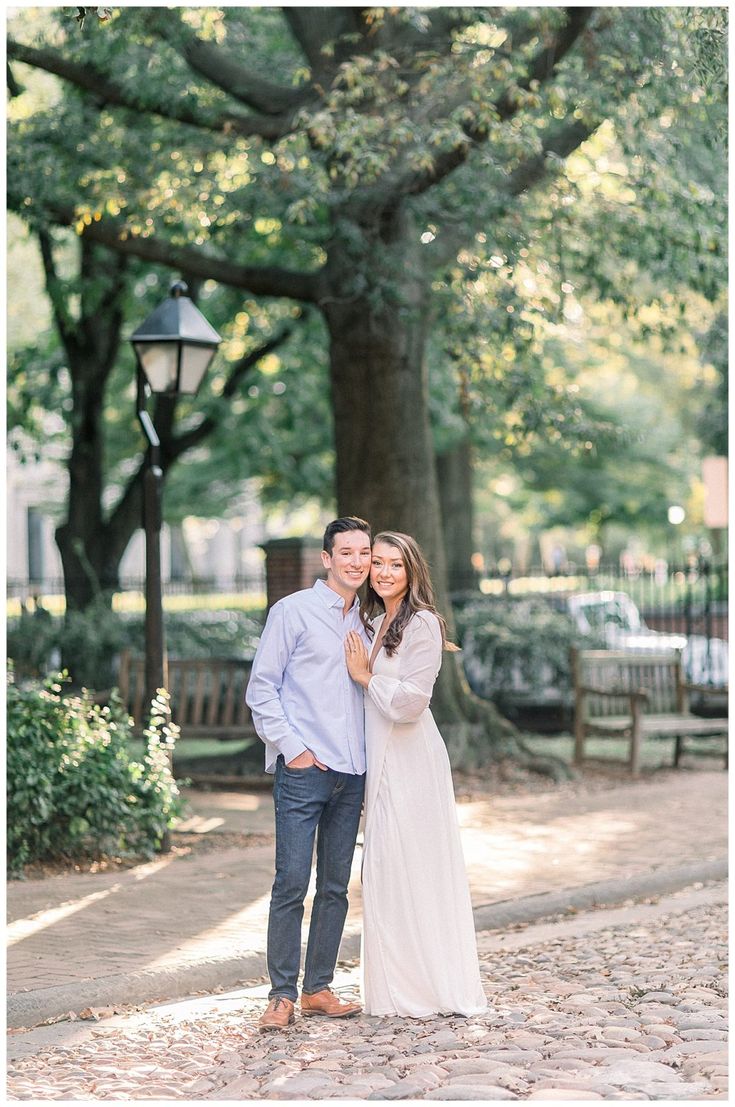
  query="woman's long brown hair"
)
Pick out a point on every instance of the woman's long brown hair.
point(419, 597)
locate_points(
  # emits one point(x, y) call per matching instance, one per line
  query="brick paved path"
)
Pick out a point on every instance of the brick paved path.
point(178, 911)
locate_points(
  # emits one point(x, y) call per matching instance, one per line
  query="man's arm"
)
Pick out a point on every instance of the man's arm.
point(262, 696)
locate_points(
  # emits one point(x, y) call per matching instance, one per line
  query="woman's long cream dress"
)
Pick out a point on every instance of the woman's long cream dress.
point(419, 955)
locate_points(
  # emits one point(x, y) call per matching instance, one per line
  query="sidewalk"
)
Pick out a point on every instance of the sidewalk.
point(187, 923)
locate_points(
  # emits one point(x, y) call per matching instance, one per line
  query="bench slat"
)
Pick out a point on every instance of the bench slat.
point(196, 711)
point(207, 696)
point(228, 706)
point(215, 691)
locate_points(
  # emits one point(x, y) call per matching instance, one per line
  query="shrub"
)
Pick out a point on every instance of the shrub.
point(229, 633)
point(33, 641)
point(517, 648)
point(73, 789)
point(89, 643)
point(85, 642)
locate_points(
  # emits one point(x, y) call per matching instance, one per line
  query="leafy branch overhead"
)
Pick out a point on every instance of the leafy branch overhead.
point(374, 107)
point(374, 164)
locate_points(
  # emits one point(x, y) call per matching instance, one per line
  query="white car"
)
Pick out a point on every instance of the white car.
point(615, 616)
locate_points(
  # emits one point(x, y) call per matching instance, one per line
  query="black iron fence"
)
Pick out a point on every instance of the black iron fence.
point(517, 630)
point(686, 599)
point(23, 589)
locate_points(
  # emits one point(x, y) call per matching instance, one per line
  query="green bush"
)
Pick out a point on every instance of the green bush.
point(88, 643)
point(32, 641)
point(73, 789)
point(85, 643)
point(229, 633)
point(517, 649)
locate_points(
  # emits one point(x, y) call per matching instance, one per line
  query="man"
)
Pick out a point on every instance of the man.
point(310, 716)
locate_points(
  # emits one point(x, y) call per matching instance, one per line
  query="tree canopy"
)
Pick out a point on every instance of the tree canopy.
point(399, 173)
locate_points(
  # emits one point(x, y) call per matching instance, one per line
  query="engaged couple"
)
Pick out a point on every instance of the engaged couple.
point(340, 697)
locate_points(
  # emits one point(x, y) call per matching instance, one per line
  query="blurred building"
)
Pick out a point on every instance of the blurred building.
point(223, 552)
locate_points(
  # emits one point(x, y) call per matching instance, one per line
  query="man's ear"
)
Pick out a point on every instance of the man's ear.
point(326, 559)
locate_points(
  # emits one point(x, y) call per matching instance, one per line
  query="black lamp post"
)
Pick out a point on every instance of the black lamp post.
point(173, 349)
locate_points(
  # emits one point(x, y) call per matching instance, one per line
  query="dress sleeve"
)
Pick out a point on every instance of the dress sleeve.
point(404, 699)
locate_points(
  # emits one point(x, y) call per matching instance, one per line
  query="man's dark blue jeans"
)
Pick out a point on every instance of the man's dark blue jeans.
point(322, 804)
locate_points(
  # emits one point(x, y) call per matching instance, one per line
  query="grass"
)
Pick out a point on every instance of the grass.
point(656, 753)
point(197, 747)
point(133, 603)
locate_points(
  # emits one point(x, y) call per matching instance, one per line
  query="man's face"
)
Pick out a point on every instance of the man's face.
point(349, 562)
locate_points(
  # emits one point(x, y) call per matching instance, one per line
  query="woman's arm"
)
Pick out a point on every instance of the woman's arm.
point(404, 700)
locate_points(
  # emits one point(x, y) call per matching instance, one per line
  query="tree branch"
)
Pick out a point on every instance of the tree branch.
point(559, 144)
point(224, 69)
point(314, 28)
point(266, 280)
point(14, 88)
point(62, 316)
point(542, 67)
point(193, 437)
point(125, 517)
point(102, 281)
point(87, 77)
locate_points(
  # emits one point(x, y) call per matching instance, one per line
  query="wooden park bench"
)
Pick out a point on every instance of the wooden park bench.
point(207, 696)
point(620, 694)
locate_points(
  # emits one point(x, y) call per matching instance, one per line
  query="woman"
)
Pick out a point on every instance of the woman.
point(419, 955)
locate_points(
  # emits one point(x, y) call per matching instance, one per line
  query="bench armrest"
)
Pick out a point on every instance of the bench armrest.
point(706, 689)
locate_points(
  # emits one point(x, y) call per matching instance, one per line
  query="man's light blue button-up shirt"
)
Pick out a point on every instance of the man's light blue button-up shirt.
point(299, 691)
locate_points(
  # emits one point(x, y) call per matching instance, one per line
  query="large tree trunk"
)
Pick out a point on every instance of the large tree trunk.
point(91, 341)
point(379, 377)
point(386, 469)
point(454, 474)
point(80, 538)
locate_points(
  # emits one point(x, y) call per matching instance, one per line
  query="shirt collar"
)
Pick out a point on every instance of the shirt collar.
point(332, 598)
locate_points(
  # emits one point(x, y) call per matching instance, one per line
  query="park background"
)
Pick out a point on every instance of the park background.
point(469, 267)
point(469, 270)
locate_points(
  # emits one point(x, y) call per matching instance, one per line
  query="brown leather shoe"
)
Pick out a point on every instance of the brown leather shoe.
point(327, 1003)
point(277, 1015)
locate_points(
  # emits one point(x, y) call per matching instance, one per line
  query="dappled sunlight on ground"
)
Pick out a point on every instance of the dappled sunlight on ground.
point(245, 928)
point(213, 902)
point(502, 862)
point(218, 940)
point(521, 845)
point(26, 928)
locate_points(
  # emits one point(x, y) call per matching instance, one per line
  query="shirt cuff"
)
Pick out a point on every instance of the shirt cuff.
point(291, 748)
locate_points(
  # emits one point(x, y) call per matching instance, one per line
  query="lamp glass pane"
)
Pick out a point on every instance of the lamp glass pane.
point(159, 364)
point(194, 362)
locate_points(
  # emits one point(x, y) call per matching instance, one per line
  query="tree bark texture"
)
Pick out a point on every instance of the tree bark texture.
point(385, 458)
point(91, 343)
point(454, 474)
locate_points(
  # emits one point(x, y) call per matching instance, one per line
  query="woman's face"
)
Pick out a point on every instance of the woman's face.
point(388, 574)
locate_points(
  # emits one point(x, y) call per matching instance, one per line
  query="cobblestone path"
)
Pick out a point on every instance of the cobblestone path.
point(633, 1011)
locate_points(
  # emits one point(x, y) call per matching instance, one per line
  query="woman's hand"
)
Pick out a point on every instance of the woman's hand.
point(357, 659)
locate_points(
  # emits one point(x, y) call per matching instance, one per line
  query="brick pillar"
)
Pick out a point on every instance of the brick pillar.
point(291, 564)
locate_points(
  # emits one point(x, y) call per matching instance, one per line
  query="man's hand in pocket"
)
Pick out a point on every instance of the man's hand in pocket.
point(304, 761)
